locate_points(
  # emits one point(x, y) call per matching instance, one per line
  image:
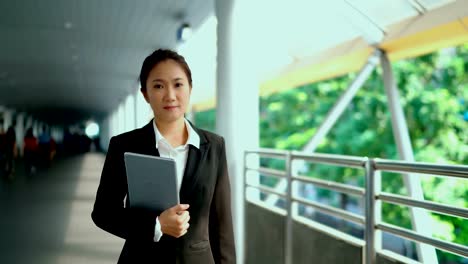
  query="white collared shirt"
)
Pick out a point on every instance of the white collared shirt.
point(179, 155)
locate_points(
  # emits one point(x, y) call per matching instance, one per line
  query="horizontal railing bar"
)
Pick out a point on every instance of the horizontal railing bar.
point(268, 171)
point(436, 207)
point(273, 153)
point(330, 185)
point(460, 171)
point(339, 160)
point(266, 189)
point(444, 245)
point(333, 211)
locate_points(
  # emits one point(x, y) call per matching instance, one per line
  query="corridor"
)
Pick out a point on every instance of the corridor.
point(46, 218)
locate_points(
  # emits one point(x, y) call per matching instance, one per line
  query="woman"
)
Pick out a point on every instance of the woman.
point(199, 230)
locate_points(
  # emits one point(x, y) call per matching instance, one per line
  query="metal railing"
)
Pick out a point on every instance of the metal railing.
point(371, 167)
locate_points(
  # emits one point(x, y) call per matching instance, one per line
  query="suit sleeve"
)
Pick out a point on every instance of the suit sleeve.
point(109, 212)
point(221, 227)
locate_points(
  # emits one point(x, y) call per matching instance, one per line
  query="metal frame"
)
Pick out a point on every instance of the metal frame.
point(288, 229)
point(330, 185)
point(372, 194)
point(369, 232)
point(332, 116)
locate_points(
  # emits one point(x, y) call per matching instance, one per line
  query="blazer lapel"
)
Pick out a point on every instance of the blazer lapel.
point(195, 160)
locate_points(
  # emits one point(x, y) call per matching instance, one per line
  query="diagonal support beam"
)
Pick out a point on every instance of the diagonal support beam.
point(420, 218)
point(331, 118)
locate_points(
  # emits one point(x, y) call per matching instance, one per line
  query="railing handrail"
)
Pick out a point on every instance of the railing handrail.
point(370, 166)
point(335, 159)
point(460, 171)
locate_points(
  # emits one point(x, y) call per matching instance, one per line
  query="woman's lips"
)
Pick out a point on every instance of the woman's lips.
point(170, 107)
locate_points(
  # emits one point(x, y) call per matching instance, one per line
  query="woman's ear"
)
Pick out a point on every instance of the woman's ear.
point(145, 94)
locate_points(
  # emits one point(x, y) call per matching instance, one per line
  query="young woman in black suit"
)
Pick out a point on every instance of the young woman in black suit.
point(199, 230)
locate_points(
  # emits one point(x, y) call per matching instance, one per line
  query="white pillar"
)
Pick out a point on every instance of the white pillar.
point(135, 108)
point(121, 118)
point(144, 113)
point(115, 123)
point(237, 111)
point(129, 113)
point(105, 132)
point(7, 118)
point(19, 129)
point(36, 130)
point(29, 122)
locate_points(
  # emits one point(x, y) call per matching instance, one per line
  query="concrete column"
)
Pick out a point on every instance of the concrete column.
point(104, 132)
point(135, 107)
point(121, 118)
point(35, 126)
point(144, 112)
point(129, 107)
point(57, 133)
point(7, 118)
point(20, 130)
point(114, 122)
point(29, 122)
point(237, 110)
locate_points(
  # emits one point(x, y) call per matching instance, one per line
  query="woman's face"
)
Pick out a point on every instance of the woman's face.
point(167, 91)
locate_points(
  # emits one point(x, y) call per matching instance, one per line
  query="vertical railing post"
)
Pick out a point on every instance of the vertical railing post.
point(244, 244)
point(369, 232)
point(288, 229)
point(377, 209)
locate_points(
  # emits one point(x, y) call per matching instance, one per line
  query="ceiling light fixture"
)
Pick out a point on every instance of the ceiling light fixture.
point(184, 32)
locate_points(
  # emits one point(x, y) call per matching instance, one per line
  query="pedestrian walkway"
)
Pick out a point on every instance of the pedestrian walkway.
point(46, 218)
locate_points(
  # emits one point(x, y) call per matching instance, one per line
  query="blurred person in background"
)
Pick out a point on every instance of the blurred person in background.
point(30, 150)
point(11, 152)
point(2, 149)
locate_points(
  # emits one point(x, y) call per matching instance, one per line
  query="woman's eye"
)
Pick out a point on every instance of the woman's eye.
point(179, 84)
point(158, 86)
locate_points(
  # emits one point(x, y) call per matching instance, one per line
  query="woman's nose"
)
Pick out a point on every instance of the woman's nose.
point(170, 95)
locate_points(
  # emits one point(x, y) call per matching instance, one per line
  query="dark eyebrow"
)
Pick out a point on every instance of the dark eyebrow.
point(161, 80)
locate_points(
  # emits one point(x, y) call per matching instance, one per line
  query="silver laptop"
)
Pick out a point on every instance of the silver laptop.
point(152, 182)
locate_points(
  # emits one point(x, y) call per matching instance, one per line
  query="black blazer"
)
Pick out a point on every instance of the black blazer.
point(205, 186)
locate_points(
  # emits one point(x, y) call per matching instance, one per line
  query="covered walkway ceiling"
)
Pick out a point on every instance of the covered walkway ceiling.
point(71, 59)
point(310, 41)
point(82, 58)
point(424, 29)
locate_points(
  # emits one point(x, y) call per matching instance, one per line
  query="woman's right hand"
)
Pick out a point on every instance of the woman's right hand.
point(174, 221)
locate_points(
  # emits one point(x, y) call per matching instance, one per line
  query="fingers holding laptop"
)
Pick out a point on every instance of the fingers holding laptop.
point(174, 221)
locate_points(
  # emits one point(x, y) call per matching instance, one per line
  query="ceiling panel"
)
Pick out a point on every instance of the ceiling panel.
point(382, 13)
point(432, 4)
point(86, 54)
point(83, 54)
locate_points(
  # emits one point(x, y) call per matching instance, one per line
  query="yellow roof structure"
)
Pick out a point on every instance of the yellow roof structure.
point(426, 32)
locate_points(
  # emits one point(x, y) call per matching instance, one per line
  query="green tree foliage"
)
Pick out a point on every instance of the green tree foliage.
point(206, 119)
point(434, 95)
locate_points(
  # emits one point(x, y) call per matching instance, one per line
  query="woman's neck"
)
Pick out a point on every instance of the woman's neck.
point(175, 132)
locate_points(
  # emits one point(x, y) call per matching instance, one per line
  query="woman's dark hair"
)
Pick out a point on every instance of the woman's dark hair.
point(158, 56)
